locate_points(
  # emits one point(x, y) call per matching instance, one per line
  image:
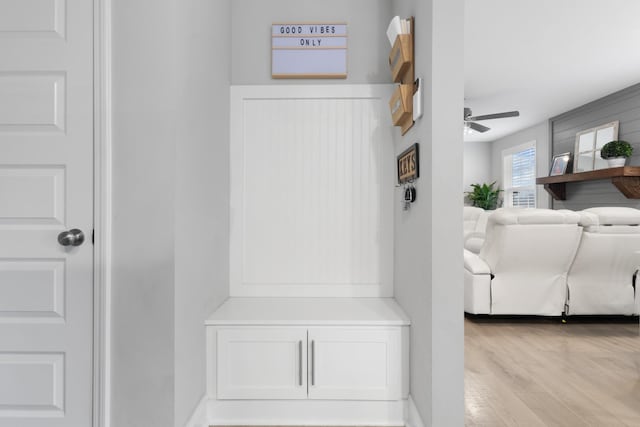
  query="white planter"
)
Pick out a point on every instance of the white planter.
point(616, 162)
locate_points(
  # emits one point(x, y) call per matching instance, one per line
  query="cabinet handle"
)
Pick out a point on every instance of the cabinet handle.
point(313, 362)
point(300, 362)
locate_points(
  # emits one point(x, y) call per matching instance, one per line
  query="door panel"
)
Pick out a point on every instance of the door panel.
point(350, 363)
point(32, 195)
point(262, 363)
point(32, 384)
point(33, 17)
point(32, 290)
point(46, 187)
point(32, 101)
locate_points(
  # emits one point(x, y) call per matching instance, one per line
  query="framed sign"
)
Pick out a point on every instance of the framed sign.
point(312, 51)
point(409, 165)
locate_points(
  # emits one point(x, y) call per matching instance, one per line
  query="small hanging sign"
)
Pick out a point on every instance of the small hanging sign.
point(313, 51)
point(409, 165)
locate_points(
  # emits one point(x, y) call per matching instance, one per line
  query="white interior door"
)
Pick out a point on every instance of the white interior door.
point(46, 188)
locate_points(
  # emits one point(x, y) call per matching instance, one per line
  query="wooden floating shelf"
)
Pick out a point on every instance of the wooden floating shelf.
point(625, 178)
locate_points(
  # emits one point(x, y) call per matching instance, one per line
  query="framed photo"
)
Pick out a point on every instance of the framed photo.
point(409, 165)
point(559, 164)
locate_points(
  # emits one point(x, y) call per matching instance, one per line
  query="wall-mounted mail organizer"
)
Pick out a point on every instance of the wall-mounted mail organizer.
point(401, 63)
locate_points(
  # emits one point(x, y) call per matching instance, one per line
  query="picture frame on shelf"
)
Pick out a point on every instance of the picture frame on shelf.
point(559, 164)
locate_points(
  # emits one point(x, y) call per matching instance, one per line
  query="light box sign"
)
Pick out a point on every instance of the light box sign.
point(313, 51)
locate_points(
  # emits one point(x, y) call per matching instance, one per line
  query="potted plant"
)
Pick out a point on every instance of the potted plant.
point(616, 153)
point(484, 196)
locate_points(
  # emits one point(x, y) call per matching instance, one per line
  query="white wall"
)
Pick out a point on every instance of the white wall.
point(315, 163)
point(367, 22)
point(428, 238)
point(144, 94)
point(202, 188)
point(170, 202)
point(165, 191)
point(477, 164)
point(539, 133)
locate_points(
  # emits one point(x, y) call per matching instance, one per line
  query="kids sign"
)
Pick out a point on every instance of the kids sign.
point(309, 51)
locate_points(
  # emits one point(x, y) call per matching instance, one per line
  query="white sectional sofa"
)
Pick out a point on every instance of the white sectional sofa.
point(523, 264)
point(550, 263)
point(475, 224)
point(601, 279)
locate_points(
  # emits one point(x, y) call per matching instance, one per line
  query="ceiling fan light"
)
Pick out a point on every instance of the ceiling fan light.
point(466, 130)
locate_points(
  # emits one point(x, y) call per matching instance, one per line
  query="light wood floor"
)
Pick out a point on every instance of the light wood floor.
point(545, 373)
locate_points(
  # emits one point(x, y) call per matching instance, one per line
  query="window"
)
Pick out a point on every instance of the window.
point(520, 176)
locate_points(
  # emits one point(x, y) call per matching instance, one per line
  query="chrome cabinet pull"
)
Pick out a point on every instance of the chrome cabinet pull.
point(313, 362)
point(300, 362)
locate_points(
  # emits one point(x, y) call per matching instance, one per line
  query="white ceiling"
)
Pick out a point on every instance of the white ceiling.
point(545, 57)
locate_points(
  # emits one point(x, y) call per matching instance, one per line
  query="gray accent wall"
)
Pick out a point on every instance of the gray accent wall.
point(623, 106)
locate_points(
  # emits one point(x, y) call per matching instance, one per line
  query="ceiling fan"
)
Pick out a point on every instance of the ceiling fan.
point(469, 120)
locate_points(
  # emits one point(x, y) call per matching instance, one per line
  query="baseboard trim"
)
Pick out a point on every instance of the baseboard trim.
point(199, 416)
point(306, 412)
point(413, 418)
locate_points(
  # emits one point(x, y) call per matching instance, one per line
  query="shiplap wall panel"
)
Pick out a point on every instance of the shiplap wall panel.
point(311, 191)
point(623, 106)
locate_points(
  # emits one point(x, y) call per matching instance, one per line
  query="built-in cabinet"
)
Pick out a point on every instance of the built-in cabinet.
point(362, 363)
point(262, 363)
point(266, 352)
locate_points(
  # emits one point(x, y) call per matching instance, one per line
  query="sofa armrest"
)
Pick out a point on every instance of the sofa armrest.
point(474, 264)
point(473, 241)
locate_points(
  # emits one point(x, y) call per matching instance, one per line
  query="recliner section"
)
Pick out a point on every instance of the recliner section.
point(553, 262)
point(601, 277)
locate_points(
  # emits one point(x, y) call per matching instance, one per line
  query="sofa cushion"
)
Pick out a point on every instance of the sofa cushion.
point(510, 216)
point(609, 216)
point(470, 215)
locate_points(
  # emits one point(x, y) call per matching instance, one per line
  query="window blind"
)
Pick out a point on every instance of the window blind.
point(520, 188)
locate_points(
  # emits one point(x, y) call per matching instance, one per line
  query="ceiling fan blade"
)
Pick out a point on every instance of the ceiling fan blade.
point(495, 116)
point(478, 127)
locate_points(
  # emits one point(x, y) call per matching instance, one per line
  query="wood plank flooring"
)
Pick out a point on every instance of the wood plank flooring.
point(540, 372)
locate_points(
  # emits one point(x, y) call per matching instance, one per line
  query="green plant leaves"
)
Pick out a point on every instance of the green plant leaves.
point(616, 149)
point(484, 195)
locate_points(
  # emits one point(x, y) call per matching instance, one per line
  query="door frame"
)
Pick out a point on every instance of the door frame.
point(102, 204)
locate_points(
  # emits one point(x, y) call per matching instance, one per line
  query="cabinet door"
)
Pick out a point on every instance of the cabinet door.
point(262, 363)
point(355, 363)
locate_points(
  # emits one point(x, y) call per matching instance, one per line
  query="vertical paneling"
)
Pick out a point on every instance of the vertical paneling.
point(623, 106)
point(314, 176)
